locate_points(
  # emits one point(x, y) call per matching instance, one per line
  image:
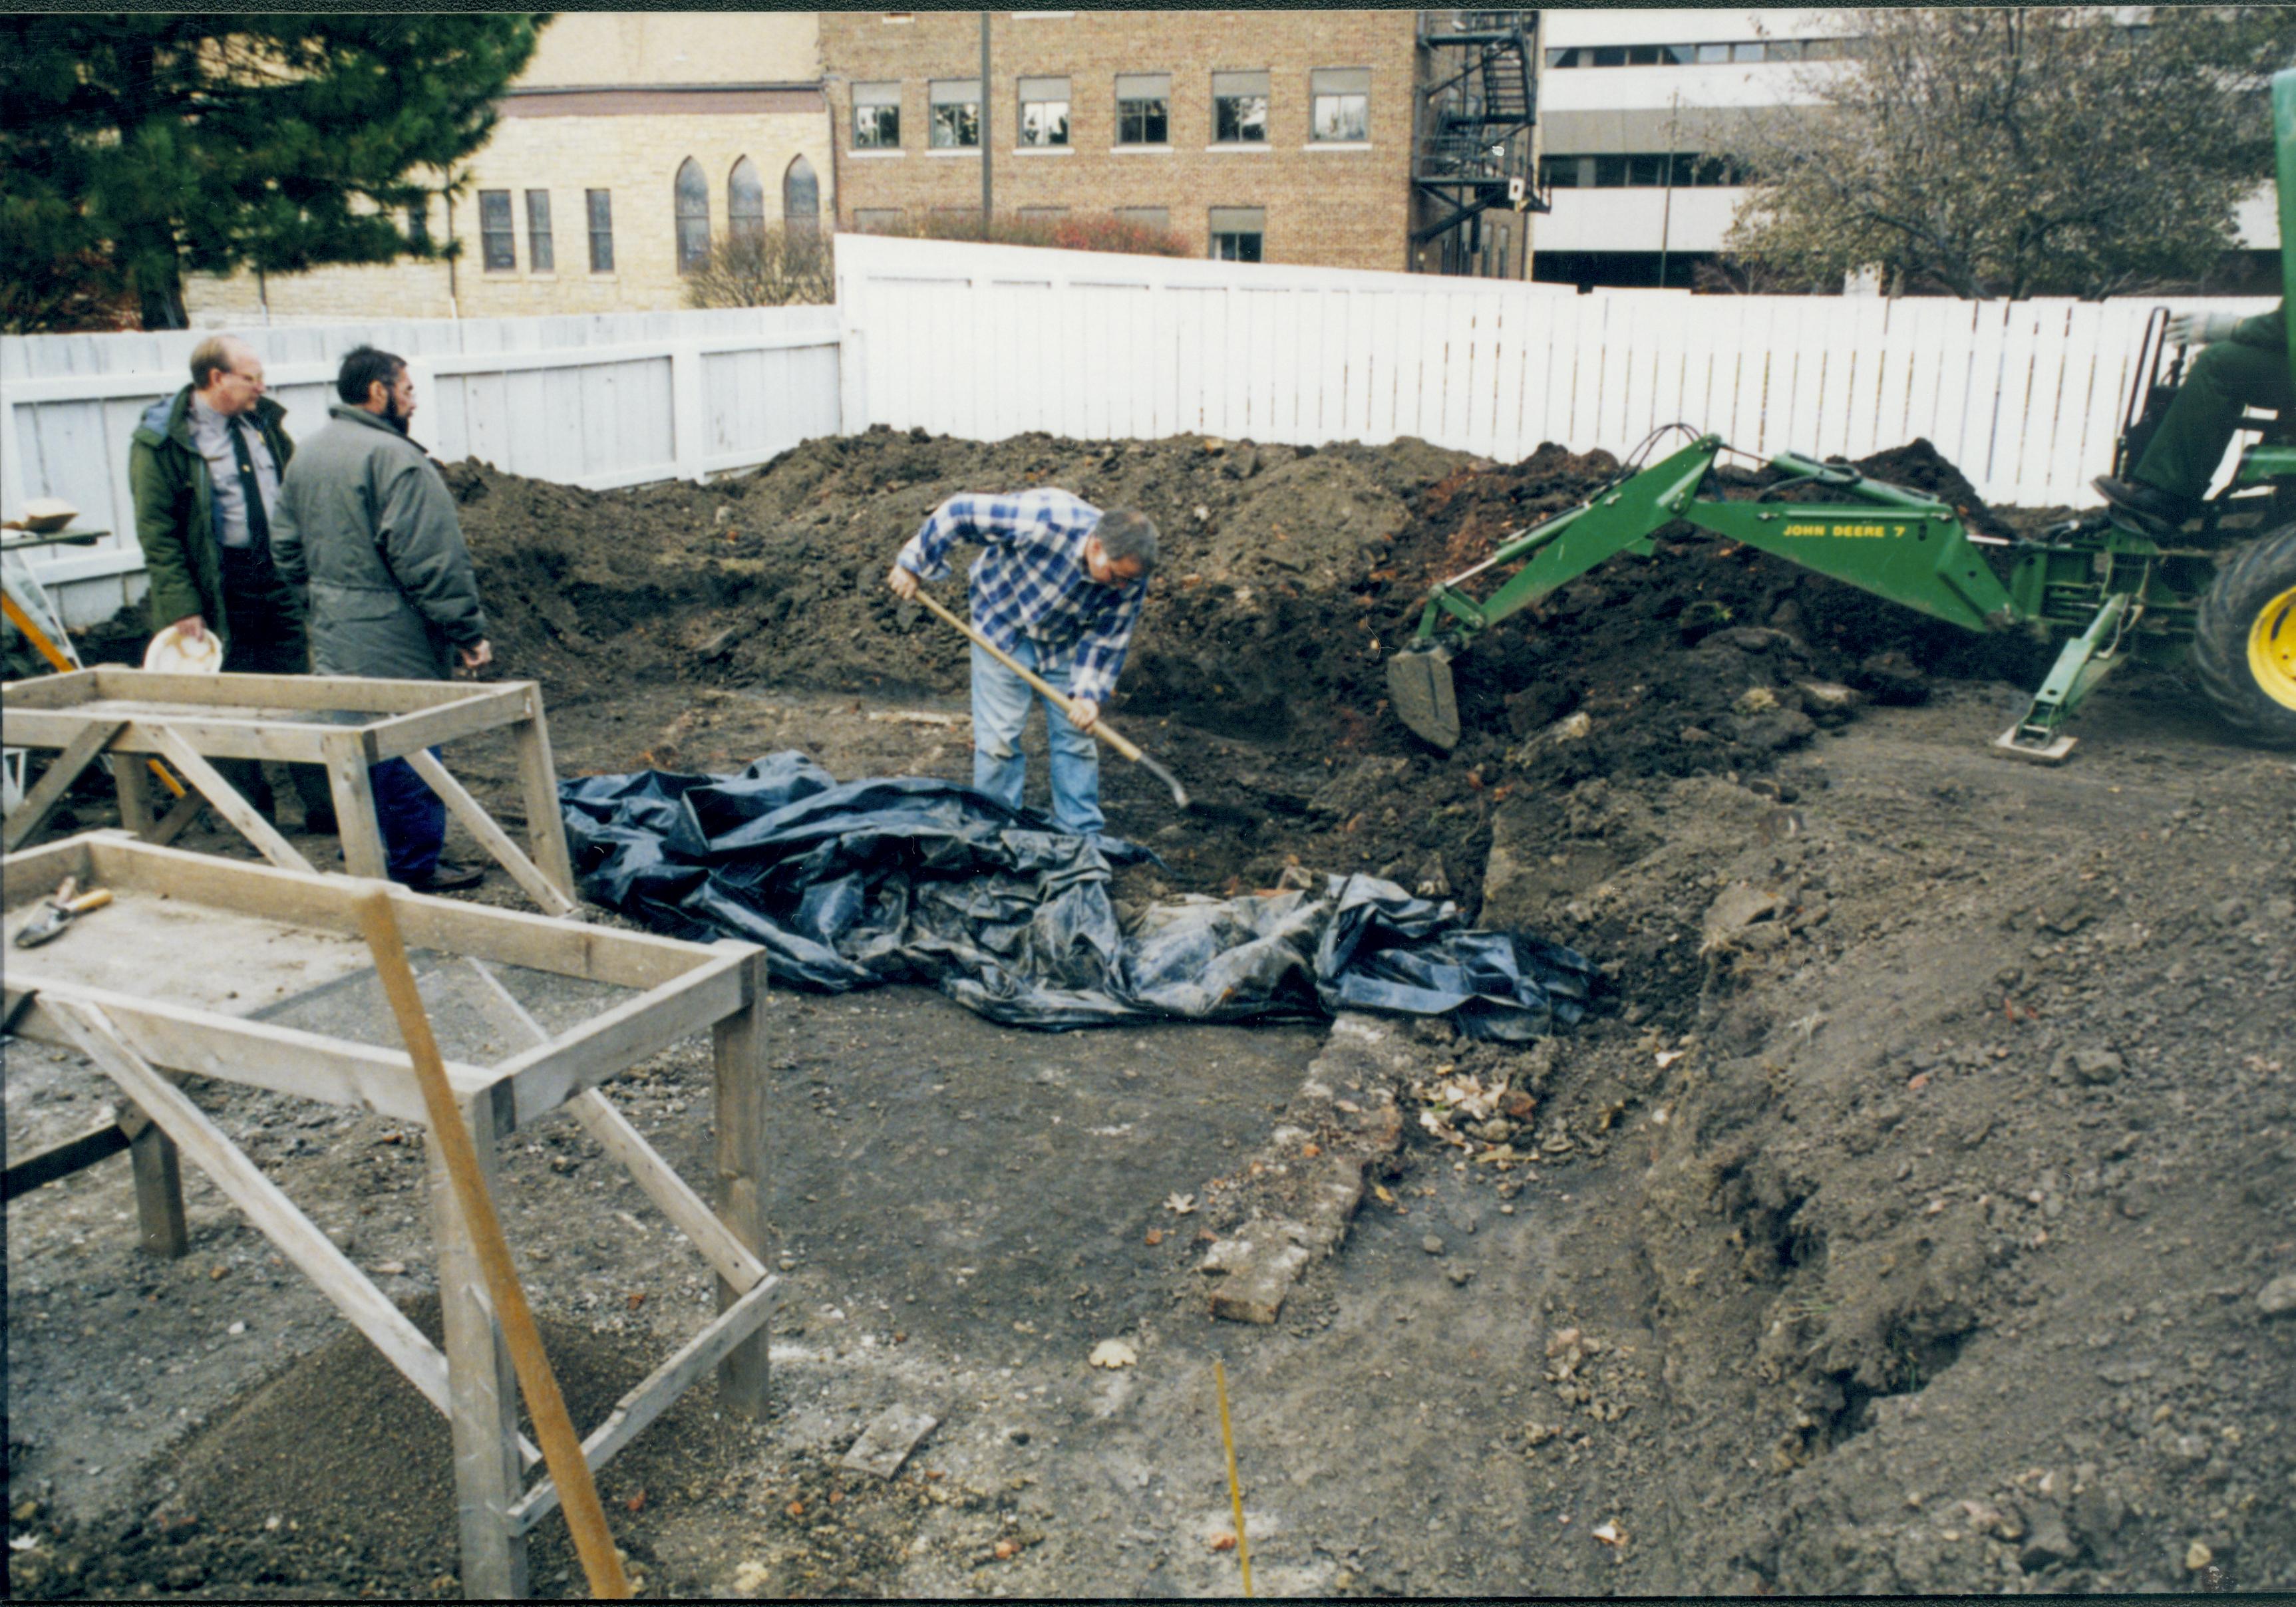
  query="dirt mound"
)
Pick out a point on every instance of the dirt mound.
point(338, 1469)
point(1289, 576)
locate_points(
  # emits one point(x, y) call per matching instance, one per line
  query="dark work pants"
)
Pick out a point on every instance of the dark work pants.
point(413, 817)
point(267, 639)
point(2200, 422)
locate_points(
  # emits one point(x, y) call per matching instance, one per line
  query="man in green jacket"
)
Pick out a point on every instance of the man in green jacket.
point(368, 526)
point(2243, 363)
point(204, 470)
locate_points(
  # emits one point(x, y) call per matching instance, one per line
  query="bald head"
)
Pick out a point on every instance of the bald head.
point(227, 374)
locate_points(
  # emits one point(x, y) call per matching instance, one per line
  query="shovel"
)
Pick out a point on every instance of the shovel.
point(1060, 701)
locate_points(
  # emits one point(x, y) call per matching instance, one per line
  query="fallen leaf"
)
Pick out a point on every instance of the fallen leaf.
point(1667, 1057)
point(1308, 1152)
point(1113, 1353)
point(636, 1300)
point(1917, 1082)
point(636, 1503)
point(1006, 1550)
point(795, 1509)
point(1384, 1197)
point(1180, 1204)
point(1223, 1541)
point(1609, 1533)
point(1155, 1235)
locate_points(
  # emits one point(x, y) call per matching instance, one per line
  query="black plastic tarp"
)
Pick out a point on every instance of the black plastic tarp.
point(850, 884)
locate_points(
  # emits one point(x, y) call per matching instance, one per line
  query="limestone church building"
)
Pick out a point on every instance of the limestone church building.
point(632, 141)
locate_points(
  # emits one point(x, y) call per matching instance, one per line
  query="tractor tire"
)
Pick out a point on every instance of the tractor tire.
point(2244, 640)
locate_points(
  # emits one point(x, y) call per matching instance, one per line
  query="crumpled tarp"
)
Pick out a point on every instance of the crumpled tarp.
point(909, 879)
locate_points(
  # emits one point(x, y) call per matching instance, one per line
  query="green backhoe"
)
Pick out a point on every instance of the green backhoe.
point(2219, 591)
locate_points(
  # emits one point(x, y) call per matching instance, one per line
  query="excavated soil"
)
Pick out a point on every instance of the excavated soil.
point(1920, 1216)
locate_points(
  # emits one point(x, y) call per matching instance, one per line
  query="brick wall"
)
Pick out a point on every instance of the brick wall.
point(634, 155)
point(1340, 206)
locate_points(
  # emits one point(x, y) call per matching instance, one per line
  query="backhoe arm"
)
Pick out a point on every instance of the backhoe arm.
point(1896, 543)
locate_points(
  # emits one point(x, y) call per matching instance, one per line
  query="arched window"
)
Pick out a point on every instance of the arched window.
point(800, 196)
point(692, 217)
point(745, 202)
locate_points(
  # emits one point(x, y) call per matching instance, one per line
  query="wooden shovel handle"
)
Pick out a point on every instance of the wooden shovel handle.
point(561, 1447)
point(1053, 695)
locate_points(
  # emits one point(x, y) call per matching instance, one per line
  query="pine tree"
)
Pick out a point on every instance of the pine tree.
point(138, 147)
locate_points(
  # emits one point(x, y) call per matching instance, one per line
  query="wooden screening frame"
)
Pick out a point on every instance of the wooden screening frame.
point(267, 922)
point(185, 720)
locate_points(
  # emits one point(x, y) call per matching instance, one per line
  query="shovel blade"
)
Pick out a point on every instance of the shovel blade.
point(1419, 690)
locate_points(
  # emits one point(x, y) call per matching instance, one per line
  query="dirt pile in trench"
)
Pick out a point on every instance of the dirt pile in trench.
point(1258, 672)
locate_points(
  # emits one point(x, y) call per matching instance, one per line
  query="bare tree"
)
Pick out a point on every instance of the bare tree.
point(2018, 152)
point(765, 267)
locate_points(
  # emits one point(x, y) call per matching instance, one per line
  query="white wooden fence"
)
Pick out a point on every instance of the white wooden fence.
point(986, 341)
point(603, 401)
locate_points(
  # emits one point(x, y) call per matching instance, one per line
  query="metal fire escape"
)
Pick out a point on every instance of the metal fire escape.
point(1471, 147)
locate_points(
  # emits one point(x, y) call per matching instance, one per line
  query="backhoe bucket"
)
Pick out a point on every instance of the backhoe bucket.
point(1419, 690)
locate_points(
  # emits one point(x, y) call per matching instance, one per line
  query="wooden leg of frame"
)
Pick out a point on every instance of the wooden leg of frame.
point(159, 1171)
point(133, 781)
point(355, 818)
point(483, 1389)
point(546, 823)
point(741, 1155)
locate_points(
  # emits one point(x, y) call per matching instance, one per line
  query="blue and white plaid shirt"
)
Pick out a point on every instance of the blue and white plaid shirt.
point(1031, 581)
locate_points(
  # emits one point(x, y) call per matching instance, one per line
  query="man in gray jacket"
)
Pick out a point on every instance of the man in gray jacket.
point(365, 523)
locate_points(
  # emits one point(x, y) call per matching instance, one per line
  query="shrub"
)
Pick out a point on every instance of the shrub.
point(765, 267)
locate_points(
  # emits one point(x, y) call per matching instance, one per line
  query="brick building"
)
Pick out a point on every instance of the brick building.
point(1279, 136)
point(631, 137)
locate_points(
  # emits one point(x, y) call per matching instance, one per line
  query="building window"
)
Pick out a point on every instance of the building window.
point(1044, 111)
point(877, 220)
point(955, 114)
point(1236, 232)
point(692, 217)
point(877, 117)
point(800, 196)
point(1240, 108)
point(1339, 101)
point(1158, 218)
point(1143, 108)
point(541, 257)
point(1638, 170)
point(497, 239)
point(745, 202)
point(601, 230)
point(1831, 48)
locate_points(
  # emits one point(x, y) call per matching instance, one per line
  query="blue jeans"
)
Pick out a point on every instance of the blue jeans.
point(1000, 708)
point(413, 817)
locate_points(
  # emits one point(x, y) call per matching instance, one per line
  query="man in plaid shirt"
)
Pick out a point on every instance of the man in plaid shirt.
point(1058, 586)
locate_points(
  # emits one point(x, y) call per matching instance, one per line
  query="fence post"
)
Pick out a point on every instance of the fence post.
point(688, 417)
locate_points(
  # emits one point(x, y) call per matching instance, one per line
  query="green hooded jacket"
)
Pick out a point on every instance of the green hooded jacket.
point(366, 522)
point(175, 511)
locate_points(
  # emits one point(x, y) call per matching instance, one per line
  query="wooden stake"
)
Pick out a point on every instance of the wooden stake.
point(561, 1447)
point(1235, 1485)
